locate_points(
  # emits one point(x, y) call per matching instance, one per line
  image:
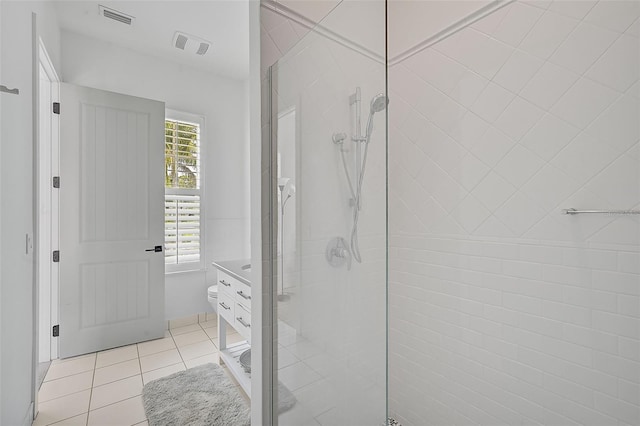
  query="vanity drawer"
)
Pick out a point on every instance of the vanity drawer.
point(242, 294)
point(225, 283)
point(242, 321)
point(226, 307)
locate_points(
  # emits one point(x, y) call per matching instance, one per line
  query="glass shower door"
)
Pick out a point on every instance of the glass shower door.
point(328, 192)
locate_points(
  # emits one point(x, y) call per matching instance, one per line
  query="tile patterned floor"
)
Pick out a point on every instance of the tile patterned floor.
point(104, 388)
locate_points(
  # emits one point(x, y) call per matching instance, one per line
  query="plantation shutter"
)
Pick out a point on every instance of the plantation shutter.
point(182, 193)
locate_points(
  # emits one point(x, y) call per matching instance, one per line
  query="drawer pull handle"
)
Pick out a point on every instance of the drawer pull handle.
point(224, 306)
point(241, 321)
point(224, 283)
point(244, 296)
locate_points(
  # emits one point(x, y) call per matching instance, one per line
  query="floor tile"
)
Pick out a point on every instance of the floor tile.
point(162, 372)
point(116, 391)
point(105, 388)
point(197, 350)
point(116, 372)
point(127, 412)
point(209, 323)
point(62, 408)
point(185, 329)
point(315, 397)
point(80, 420)
point(190, 338)
point(304, 349)
point(182, 322)
point(65, 386)
point(114, 356)
point(286, 358)
point(297, 416)
point(70, 367)
point(207, 359)
point(212, 332)
point(160, 360)
point(75, 358)
point(231, 338)
point(155, 346)
point(297, 375)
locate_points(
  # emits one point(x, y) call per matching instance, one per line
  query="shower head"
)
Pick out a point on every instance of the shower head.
point(378, 103)
point(286, 187)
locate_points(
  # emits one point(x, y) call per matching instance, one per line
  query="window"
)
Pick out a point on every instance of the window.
point(183, 177)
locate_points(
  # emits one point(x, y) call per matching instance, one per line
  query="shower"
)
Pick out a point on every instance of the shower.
point(378, 103)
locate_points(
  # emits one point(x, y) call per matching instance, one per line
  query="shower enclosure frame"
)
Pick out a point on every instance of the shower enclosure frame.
point(269, 194)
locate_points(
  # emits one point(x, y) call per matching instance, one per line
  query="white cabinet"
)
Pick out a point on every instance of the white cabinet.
point(234, 309)
point(234, 303)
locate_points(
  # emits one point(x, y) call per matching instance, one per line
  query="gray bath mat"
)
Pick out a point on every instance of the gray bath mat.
point(201, 396)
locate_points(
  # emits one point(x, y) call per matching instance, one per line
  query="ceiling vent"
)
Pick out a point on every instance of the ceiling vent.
point(116, 15)
point(190, 43)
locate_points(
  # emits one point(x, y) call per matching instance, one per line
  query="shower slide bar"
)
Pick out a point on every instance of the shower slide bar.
point(609, 212)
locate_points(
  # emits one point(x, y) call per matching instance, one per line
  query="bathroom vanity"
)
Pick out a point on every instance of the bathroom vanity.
point(234, 310)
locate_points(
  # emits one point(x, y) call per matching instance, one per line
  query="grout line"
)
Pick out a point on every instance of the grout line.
point(93, 379)
point(176, 346)
point(117, 402)
point(140, 367)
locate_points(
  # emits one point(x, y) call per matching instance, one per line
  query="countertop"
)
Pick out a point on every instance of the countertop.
point(234, 268)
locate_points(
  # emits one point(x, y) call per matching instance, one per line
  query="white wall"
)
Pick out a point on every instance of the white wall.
point(17, 272)
point(502, 310)
point(222, 101)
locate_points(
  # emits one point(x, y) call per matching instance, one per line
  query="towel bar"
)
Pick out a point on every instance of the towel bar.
point(608, 212)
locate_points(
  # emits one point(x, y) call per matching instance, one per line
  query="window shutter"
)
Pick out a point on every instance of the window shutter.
point(182, 193)
point(182, 228)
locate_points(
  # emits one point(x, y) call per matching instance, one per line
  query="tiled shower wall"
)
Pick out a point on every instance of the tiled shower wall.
point(503, 310)
point(333, 357)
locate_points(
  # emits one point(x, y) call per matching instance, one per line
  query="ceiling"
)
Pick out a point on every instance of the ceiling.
point(222, 22)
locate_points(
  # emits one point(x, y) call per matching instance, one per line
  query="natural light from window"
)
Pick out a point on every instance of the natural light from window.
point(182, 229)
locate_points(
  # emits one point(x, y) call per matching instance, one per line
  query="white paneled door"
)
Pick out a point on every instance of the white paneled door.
point(111, 220)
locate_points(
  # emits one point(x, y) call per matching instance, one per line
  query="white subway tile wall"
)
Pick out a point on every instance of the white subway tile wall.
point(502, 310)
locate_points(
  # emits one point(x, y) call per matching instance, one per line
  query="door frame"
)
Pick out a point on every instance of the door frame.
point(47, 217)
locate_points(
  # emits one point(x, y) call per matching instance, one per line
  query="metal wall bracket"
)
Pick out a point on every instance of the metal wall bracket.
point(56, 330)
point(56, 181)
point(56, 256)
point(56, 107)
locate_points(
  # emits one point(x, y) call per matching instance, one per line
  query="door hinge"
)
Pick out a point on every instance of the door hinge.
point(56, 330)
point(56, 107)
point(56, 255)
point(56, 181)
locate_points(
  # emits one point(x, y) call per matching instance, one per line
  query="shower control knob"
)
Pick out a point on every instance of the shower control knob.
point(340, 252)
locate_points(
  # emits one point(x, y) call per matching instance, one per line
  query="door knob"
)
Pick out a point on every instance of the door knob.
point(156, 249)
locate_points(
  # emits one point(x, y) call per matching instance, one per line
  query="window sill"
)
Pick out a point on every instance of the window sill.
point(185, 271)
